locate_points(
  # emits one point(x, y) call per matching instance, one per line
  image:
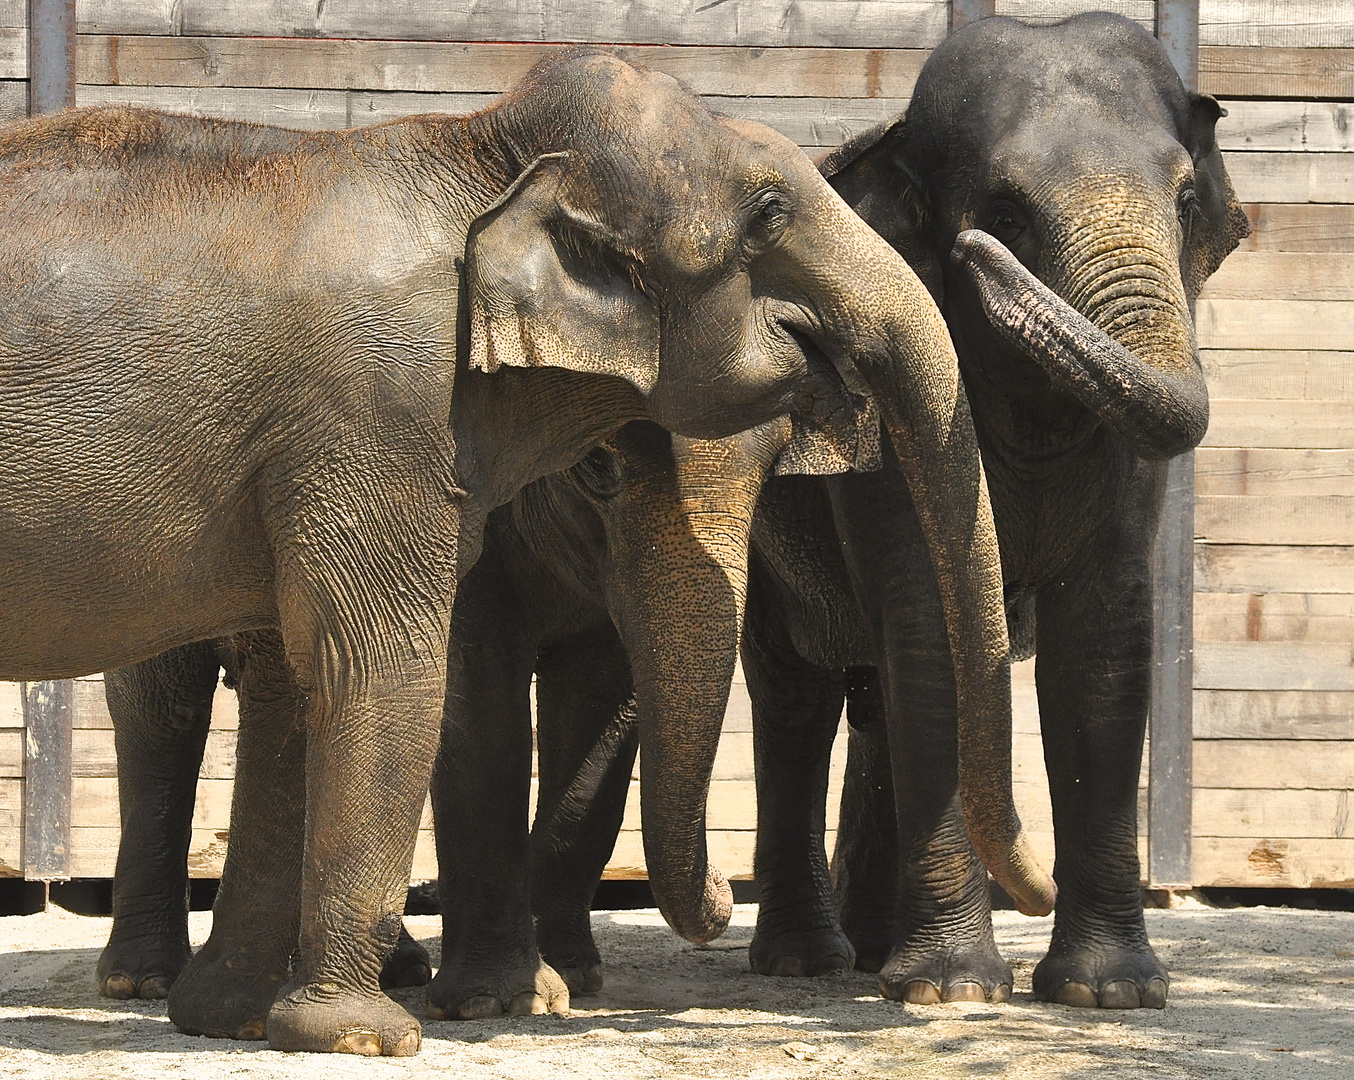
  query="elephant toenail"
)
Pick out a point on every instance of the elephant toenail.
point(965, 991)
point(409, 1045)
point(1154, 997)
point(527, 1004)
point(480, 1007)
point(1076, 994)
point(119, 986)
point(788, 967)
point(366, 1043)
point(921, 992)
point(252, 1030)
point(1120, 994)
point(1000, 994)
point(155, 987)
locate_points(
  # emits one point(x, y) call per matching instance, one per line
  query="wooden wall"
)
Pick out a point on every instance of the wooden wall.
point(1274, 662)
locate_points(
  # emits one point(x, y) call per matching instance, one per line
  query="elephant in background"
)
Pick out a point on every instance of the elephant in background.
point(724, 287)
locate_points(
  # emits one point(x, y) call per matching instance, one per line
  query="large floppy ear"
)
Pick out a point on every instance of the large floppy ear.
point(548, 285)
point(869, 172)
point(1219, 223)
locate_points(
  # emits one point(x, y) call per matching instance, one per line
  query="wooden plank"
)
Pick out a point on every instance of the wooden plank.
point(860, 24)
point(1042, 12)
point(1273, 714)
point(731, 851)
point(1314, 375)
point(11, 804)
point(1274, 617)
point(1300, 227)
point(1281, 23)
point(1228, 71)
point(1294, 126)
point(92, 754)
point(47, 787)
point(481, 67)
point(11, 752)
point(1262, 472)
point(1247, 862)
point(13, 13)
point(1273, 763)
point(1275, 519)
point(1276, 324)
point(1273, 568)
point(1292, 813)
point(11, 705)
point(13, 100)
point(1274, 177)
point(1284, 275)
point(1296, 425)
point(1274, 665)
point(305, 109)
point(13, 53)
point(11, 852)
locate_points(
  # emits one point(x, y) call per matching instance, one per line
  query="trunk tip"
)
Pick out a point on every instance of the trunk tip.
point(708, 917)
point(1029, 885)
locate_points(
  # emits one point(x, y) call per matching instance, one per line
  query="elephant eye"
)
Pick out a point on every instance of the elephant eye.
point(1189, 209)
point(770, 216)
point(1006, 222)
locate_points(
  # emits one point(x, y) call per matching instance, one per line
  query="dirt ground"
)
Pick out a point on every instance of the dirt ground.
point(1256, 993)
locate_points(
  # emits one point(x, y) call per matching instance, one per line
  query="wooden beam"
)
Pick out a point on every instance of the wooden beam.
point(51, 55)
point(1170, 753)
point(47, 780)
point(963, 12)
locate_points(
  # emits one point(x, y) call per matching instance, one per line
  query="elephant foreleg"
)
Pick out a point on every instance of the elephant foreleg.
point(796, 707)
point(161, 711)
point(587, 736)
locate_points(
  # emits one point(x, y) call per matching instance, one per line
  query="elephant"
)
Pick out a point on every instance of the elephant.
point(256, 379)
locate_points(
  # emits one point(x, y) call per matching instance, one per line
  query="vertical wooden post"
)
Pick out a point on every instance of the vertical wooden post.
point(1170, 793)
point(49, 709)
point(963, 12)
point(51, 56)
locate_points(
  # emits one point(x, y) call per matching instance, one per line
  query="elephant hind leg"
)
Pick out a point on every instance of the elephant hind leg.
point(161, 710)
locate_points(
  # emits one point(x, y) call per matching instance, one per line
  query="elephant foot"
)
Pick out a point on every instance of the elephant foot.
point(324, 1018)
point(802, 953)
point(528, 988)
point(225, 994)
point(142, 967)
point(408, 965)
point(573, 954)
point(1089, 977)
point(974, 971)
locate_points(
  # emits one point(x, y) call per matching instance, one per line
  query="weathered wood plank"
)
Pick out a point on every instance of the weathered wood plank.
point(1246, 862)
point(305, 109)
point(1290, 814)
point(1281, 23)
point(1227, 71)
point(1275, 519)
point(1247, 568)
point(481, 67)
point(1284, 275)
point(1300, 227)
point(1274, 665)
point(13, 53)
point(11, 752)
point(92, 754)
point(11, 852)
point(1327, 617)
point(860, 24)
point(1260, 472)
point(1040, 12)
point(13, 100)
point(1300, 374)
point(1297, 425)
point(11, 705)
point(1274, 177)
point(11, 804)
point(1294, 126)
point(1273, 764)
point(47, 772)
point(1276, 324)
point(1273, 714)
point(730, 850)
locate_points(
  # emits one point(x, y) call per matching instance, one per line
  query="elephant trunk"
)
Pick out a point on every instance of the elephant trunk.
point(1138, 370)
point(684, 646)
point(906, 356)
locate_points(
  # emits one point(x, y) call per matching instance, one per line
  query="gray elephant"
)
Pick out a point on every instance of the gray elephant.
point(238, 381)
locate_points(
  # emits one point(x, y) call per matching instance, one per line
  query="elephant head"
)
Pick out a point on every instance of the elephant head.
point(1062, 168)
point(707, 264)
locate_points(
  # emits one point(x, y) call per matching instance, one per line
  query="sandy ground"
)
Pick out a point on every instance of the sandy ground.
point(1256, 993)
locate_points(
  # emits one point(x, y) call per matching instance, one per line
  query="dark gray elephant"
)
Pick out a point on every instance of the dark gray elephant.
point(266, 443)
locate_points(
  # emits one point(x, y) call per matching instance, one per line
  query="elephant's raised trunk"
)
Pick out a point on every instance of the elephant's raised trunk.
point(909, 361)
point(1156, 398)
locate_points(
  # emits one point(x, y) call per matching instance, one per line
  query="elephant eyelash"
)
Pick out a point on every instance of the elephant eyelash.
point(1189, 209)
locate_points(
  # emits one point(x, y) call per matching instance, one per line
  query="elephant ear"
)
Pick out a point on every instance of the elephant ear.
point(870, 173)
point(548, 285)
point(1221, 224)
